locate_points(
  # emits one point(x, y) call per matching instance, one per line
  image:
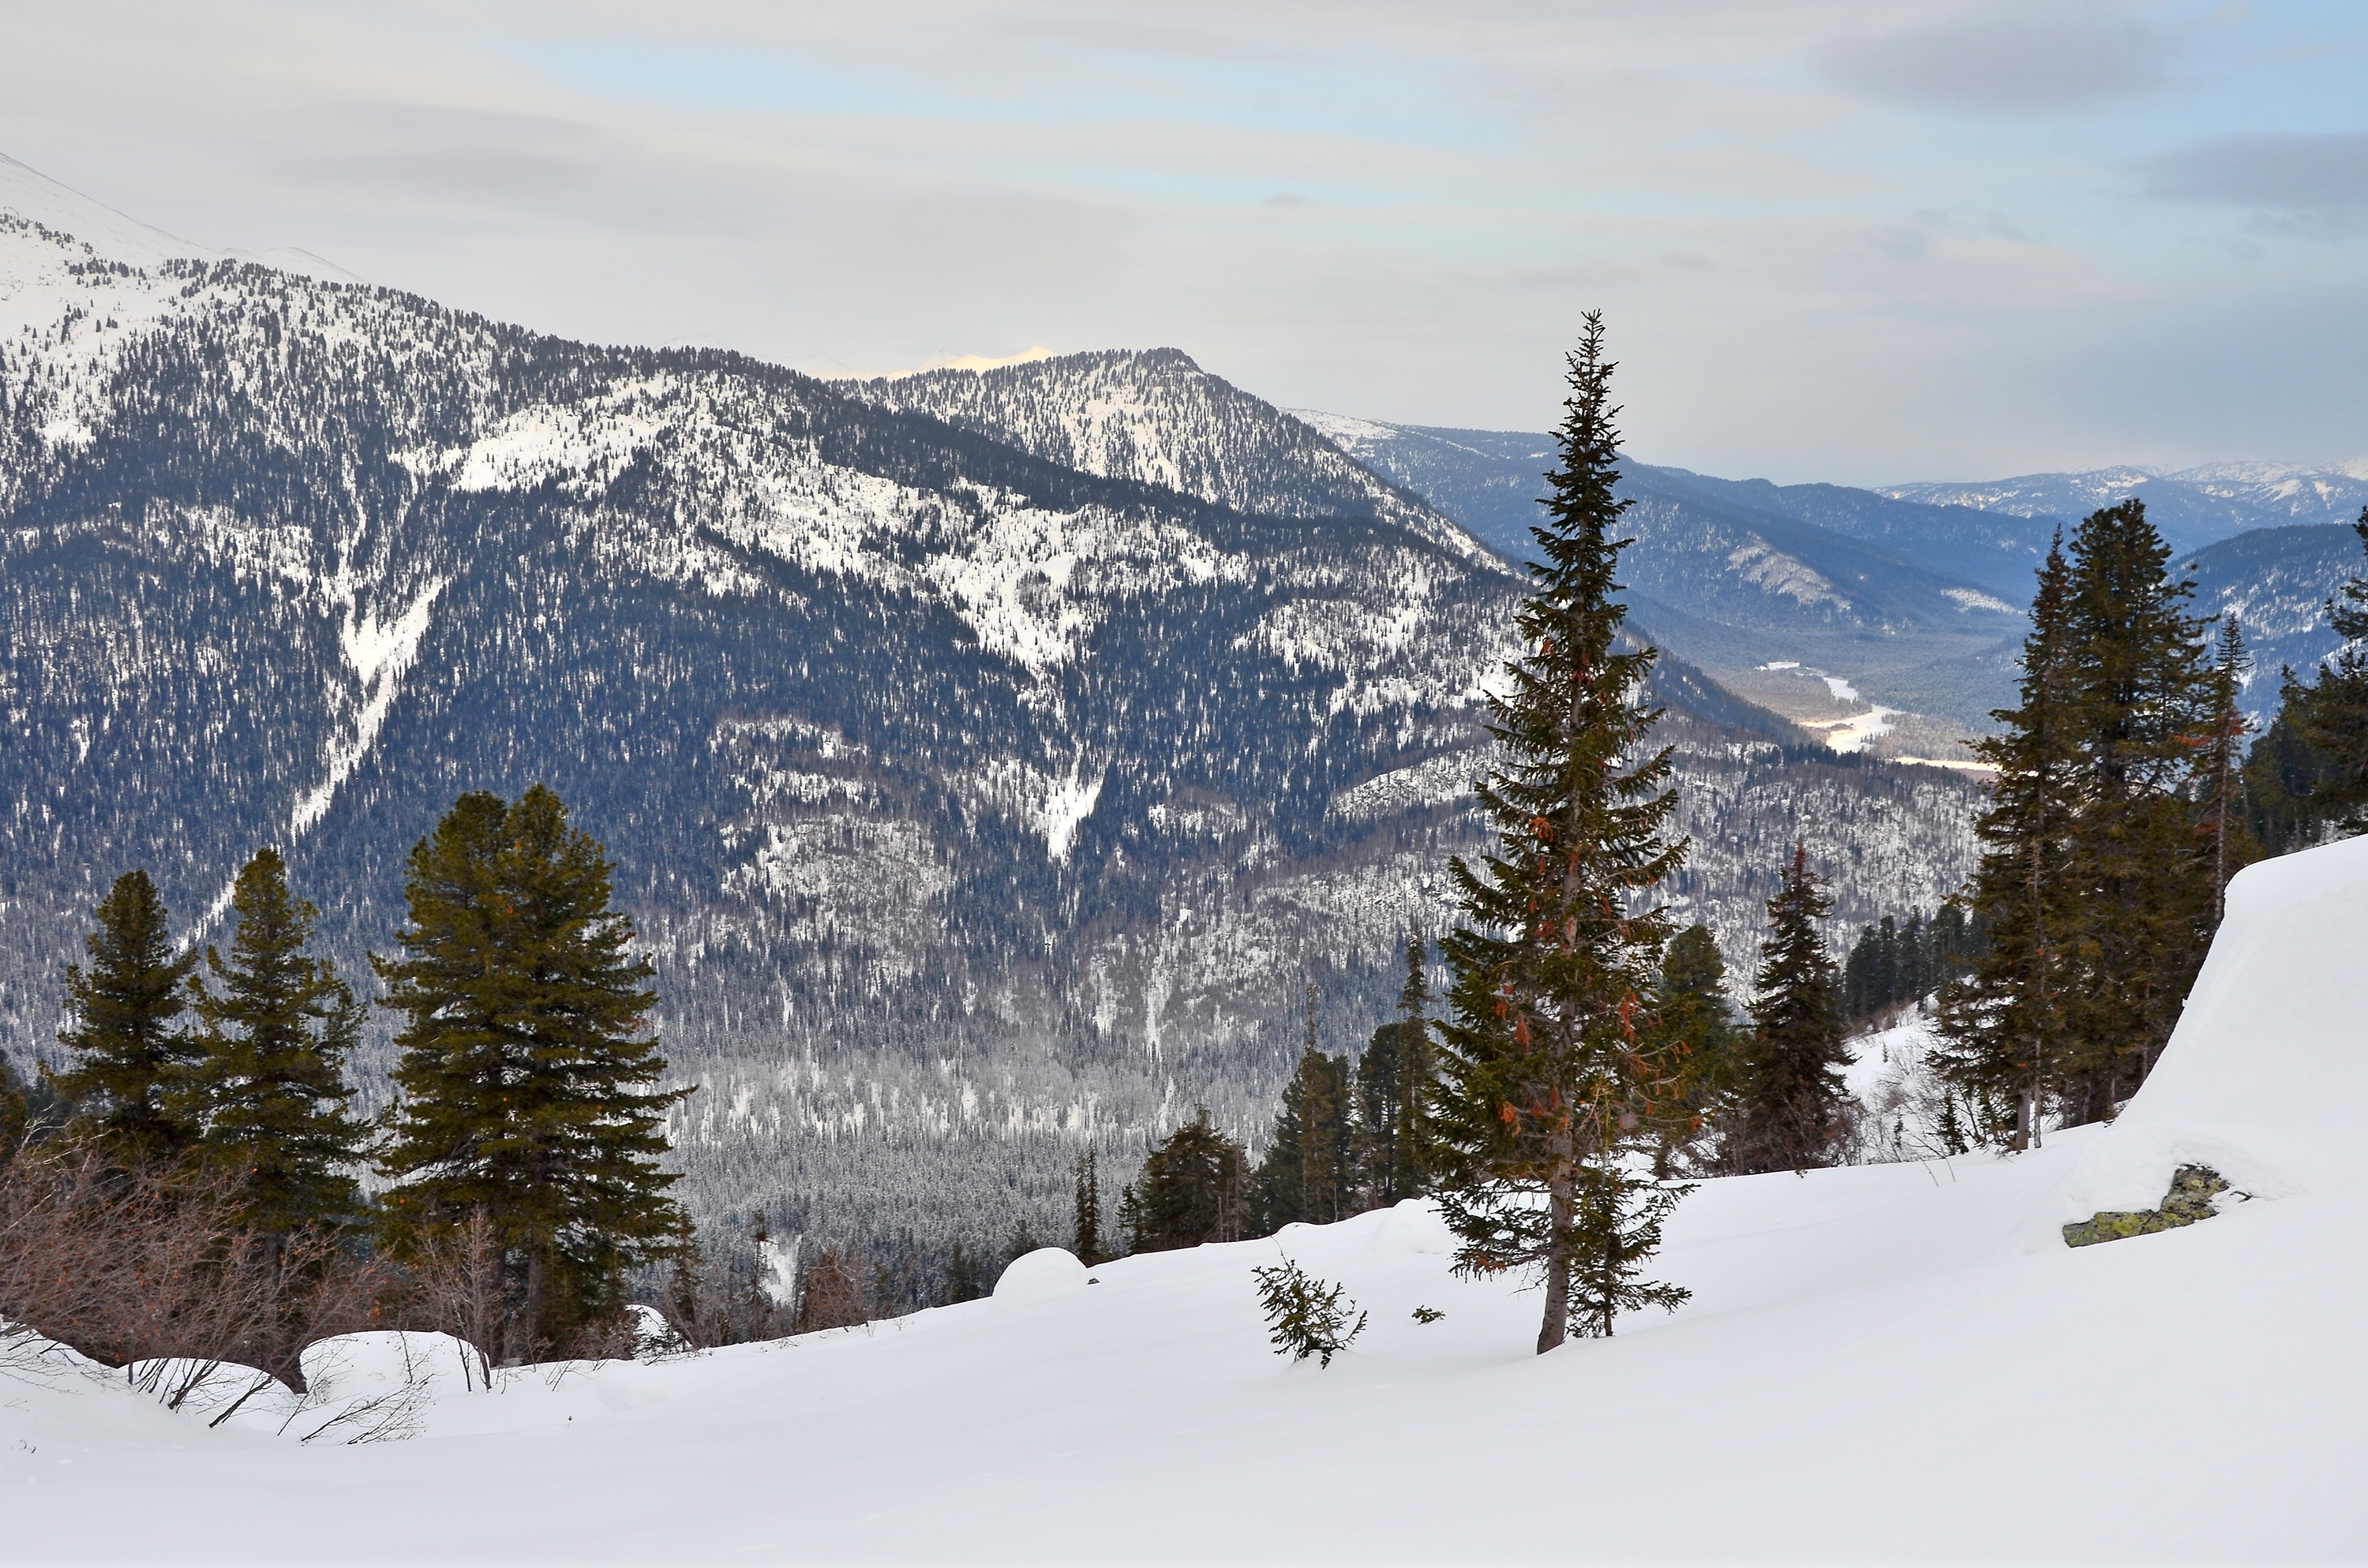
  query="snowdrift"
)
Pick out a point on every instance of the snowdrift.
point(1880, 1364)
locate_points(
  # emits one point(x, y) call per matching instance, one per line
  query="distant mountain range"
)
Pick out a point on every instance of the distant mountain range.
point(1738, 573)
point(2192, 508)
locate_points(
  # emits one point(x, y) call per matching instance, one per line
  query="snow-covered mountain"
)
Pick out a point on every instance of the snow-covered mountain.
point(1901, 1363)
point(1155, 417)
point(2193, 507)
point(1917, 607)
point(2277, 581)
point(972, 803)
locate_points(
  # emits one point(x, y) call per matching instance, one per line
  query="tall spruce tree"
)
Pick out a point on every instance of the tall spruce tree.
point(1550, 1067)
point(267, 1091)
point(128, 1046)
point(527, 1068)
point(1697, 1024)
point(1192, 1190)
point(1789, 1101)
point(2001, 1022)
point(1309, 1171)
point(1086, 1232)
point(1392, 1074)
point(2220, 767)
point(2140, 697)
point(2330, 714)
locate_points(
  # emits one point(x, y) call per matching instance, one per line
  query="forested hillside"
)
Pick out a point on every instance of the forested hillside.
point(972, 804)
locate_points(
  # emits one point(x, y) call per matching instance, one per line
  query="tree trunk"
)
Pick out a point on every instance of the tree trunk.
point(1559, 1215)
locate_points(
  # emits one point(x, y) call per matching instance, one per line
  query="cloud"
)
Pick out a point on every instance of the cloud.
point(2313, 183)
point(2005, 68)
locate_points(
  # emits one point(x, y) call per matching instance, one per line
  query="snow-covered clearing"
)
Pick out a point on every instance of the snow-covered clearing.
point(1880, 1363)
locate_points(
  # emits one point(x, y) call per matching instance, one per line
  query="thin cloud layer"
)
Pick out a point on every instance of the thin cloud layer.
point(2321, 176)
point(2038, 66)
point(1827, 250)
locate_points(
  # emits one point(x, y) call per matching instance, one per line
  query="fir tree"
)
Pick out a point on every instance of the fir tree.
point(16, 1112)
point(1789, 1098)
point(2139, 697)
point(267, 1093)
point(1619, 1219)
point(1086, 1239)
point(2331, 713)
point(1306, 1316)
point(1392, 1076)
point(2001, 1022)
point(1309, 1171)
point(1190, 1190)
point(2220, 767)
point(2285, 775)
point(964, 1279)
point(128, 1046)
point(527, 1069)
point(1550, 1068)
point(1697, 1024)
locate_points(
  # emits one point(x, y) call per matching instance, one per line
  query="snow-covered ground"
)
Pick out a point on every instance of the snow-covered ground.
point(1880, 1363)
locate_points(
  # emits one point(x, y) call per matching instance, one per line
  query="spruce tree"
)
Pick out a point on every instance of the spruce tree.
point(1550, 1068)
point(1392, 1075)
point(2139, 699)
point(2001, 1022)
point(267, 1093)
point(1308, 1173)
point(2331, 713)
point(2220, 767)
point(126, 1042)
point(1190, 1190)
point(16, 1112)
point(527, 1067)
point(1085, 1237)
point(1698, 1026)
point(1789, 1098)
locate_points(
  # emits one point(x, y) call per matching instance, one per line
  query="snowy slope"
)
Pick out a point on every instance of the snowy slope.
point(112, 236)
point(1883, 1363)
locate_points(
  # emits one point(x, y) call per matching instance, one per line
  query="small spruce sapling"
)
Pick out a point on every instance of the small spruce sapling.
point(1307, 1315)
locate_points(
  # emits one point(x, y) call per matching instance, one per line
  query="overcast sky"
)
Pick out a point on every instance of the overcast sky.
point(1856, 242)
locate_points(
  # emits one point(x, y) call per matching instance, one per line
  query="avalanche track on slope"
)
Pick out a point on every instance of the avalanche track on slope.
point(1883, 1363)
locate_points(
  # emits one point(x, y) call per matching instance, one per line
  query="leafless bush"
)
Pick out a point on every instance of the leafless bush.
point(831, 1294)
point(151, 1266)
point(454, 1284)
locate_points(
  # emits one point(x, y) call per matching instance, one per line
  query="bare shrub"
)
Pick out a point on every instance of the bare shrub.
point(831, 1294)
point(149, 1266)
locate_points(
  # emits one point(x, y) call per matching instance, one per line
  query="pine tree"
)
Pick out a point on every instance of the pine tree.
point(527, 1069)
point(1789, 1098)
point(2220, 767)
point(2001, 1023)
point(1548, 1068)
point(2140, 695)
point(2331, 713)
point(1190, 1190)
point(1086, 1239)
point(267, 1093)
point(128, 1046)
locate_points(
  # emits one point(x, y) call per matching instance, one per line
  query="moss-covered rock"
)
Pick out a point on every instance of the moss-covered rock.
point(2192, 1188)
